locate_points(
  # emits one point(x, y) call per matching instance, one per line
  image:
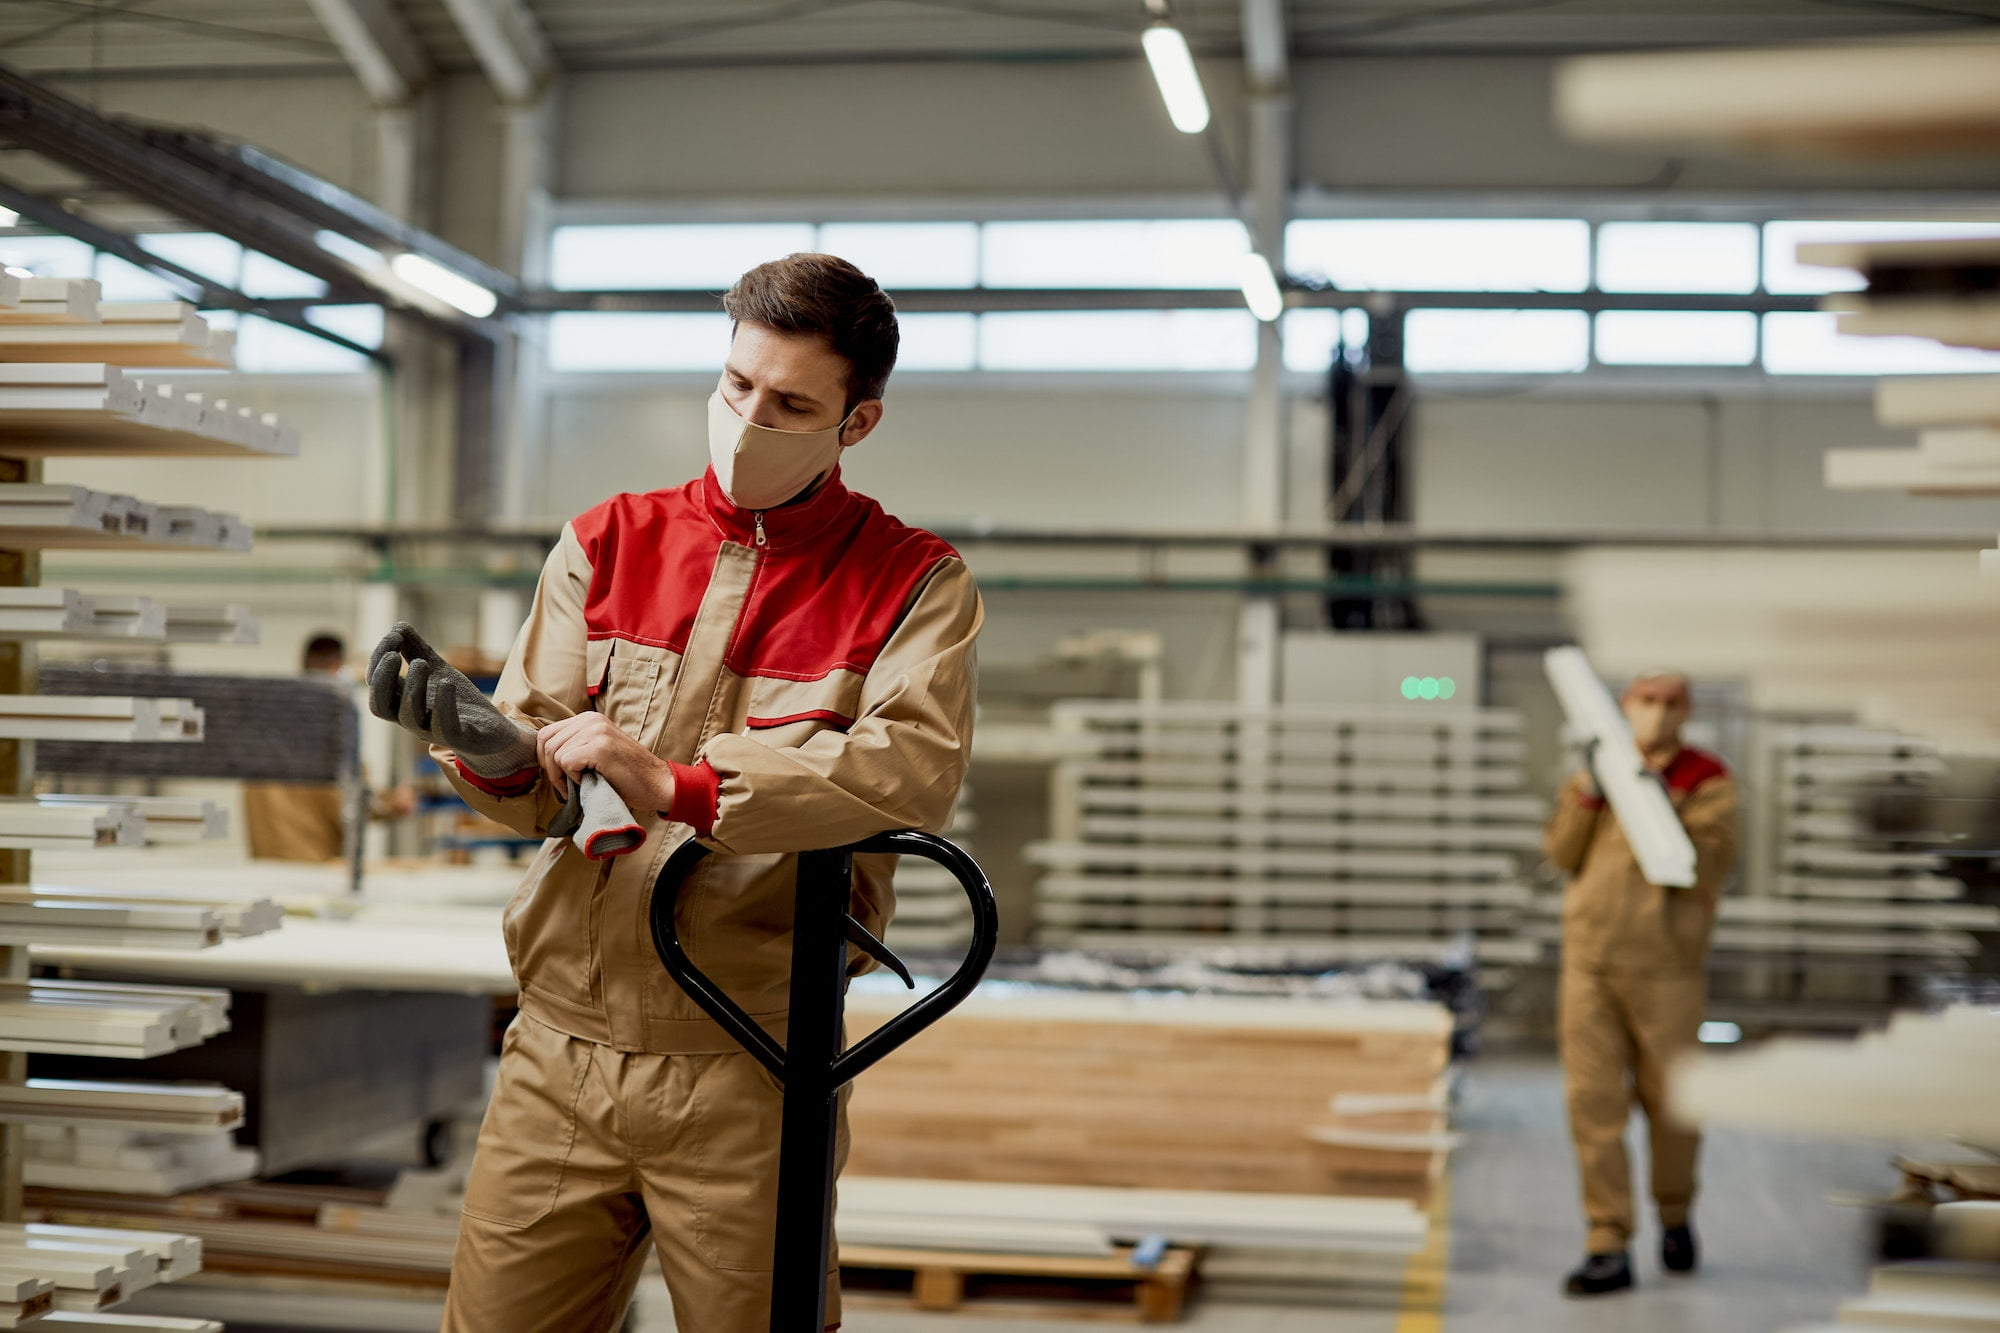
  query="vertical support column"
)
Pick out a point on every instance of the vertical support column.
point(1266, 68)
point(527, 172)
point(18, 569)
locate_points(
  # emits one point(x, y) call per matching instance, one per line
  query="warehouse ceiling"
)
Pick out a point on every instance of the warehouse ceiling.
point(135, 38)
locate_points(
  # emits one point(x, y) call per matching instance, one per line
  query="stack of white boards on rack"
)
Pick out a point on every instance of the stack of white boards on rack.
point(931, 907)
point(133, 1161)
point(66, 613)
point(124, 1021)
point(91, 918)
point(72, 402)
point(42, 517)
point(60, 822)
point(1835, 888)
point(42, 717)
point(1363, 832)
point(1922, 1297)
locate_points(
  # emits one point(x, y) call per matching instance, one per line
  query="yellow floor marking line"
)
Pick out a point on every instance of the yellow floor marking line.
point(1423, 1282)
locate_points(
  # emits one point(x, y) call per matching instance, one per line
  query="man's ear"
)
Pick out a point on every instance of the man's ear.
point(863, 419)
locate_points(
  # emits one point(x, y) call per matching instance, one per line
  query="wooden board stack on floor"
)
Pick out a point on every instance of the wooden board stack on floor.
point(1152, 1092)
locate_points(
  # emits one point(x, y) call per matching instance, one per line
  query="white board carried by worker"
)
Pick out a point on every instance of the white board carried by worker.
point(1638, 798)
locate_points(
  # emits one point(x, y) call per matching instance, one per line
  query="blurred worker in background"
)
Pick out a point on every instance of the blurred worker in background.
point(1632, 991)
point(306, 821)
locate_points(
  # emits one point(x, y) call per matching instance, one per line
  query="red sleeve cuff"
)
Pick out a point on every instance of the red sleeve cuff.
point(697, 796)
point(514, 784)
point(1589, 802)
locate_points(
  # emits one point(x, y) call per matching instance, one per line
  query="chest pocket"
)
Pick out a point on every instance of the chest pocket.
point(786, 713)
point(627, 690)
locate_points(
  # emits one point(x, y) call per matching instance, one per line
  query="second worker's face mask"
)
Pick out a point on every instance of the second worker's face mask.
point(761, 468)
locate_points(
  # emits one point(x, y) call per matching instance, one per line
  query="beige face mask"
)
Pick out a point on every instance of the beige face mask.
point(761, 468)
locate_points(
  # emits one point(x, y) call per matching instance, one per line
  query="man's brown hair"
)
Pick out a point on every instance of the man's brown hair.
point(828, 297)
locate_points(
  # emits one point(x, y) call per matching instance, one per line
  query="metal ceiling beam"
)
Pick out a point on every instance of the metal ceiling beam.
point(980, 300)
point(392, 66)
point(1265, 48)
point(508, 44)
point(238, 192)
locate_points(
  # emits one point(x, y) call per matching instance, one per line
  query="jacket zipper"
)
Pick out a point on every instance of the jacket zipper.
point(759, 517)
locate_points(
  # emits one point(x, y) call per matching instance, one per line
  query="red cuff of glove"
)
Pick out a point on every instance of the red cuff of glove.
point(514, 784)
point(1589, 802)
point(697, 796)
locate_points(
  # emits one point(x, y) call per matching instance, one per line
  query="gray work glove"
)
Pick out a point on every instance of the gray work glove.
point(438, 704)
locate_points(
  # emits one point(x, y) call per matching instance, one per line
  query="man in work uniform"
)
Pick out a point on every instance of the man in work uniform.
point(759, 659)
point(1631, 996)
point(307, 821)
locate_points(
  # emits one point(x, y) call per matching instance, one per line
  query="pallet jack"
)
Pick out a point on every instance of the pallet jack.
point(811, 1067)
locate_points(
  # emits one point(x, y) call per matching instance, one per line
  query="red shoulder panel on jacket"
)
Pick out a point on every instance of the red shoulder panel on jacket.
point(650, 558)
point(1691, 768)
point(816, 605)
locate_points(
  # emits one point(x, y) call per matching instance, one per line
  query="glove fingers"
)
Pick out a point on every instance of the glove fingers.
point(416, 711)
point(414, 646)
point(444, 714)
point(385, 682)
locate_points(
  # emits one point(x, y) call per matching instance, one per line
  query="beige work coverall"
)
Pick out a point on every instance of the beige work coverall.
point(812, 681)
point(1632, 990)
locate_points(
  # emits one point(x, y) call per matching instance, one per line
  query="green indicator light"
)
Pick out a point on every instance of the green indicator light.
point(1428, 687)
point(1447, 687)
point(1411, 687)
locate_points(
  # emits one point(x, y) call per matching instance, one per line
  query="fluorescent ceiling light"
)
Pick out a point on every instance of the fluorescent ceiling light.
point(1173, 69)
point(17, 271)
point(1720, 1034)
point(439, 281)
point(1260, 288)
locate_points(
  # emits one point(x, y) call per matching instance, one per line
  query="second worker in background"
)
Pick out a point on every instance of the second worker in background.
point(1634, 959)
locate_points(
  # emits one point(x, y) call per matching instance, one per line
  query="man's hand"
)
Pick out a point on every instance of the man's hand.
point(642, 779)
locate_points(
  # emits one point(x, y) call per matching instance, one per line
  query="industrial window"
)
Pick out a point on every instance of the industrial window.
point(907, 254)
point(938, 342)
point(46, 256)
point(267, 279)
point(1442, 254)
point(1677, 257)
point(264, 347)
point(1129, 340)
point(122, 281)
point(362, 324)
point(588, 341)
point(671, 256)
point(1806, 342)
point(1312, 336)
point(1676, 337)
point(1184, 253)
point(1496, 341)
point(1785, 274)
point(216, 258)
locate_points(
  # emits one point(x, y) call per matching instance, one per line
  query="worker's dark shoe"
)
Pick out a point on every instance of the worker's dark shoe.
point(1600, 1275)
point(1678, 1251)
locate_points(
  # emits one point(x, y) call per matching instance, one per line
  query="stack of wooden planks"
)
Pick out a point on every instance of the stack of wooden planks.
point(154, 1108)
point(97, 1156)
point(1150, 1092)
point(59, 822)
point(1922, 1297)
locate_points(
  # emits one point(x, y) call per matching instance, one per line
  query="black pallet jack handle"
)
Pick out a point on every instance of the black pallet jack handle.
point(811, 1066)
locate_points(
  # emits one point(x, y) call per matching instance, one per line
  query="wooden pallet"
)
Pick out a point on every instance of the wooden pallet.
point(1052, 1286)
